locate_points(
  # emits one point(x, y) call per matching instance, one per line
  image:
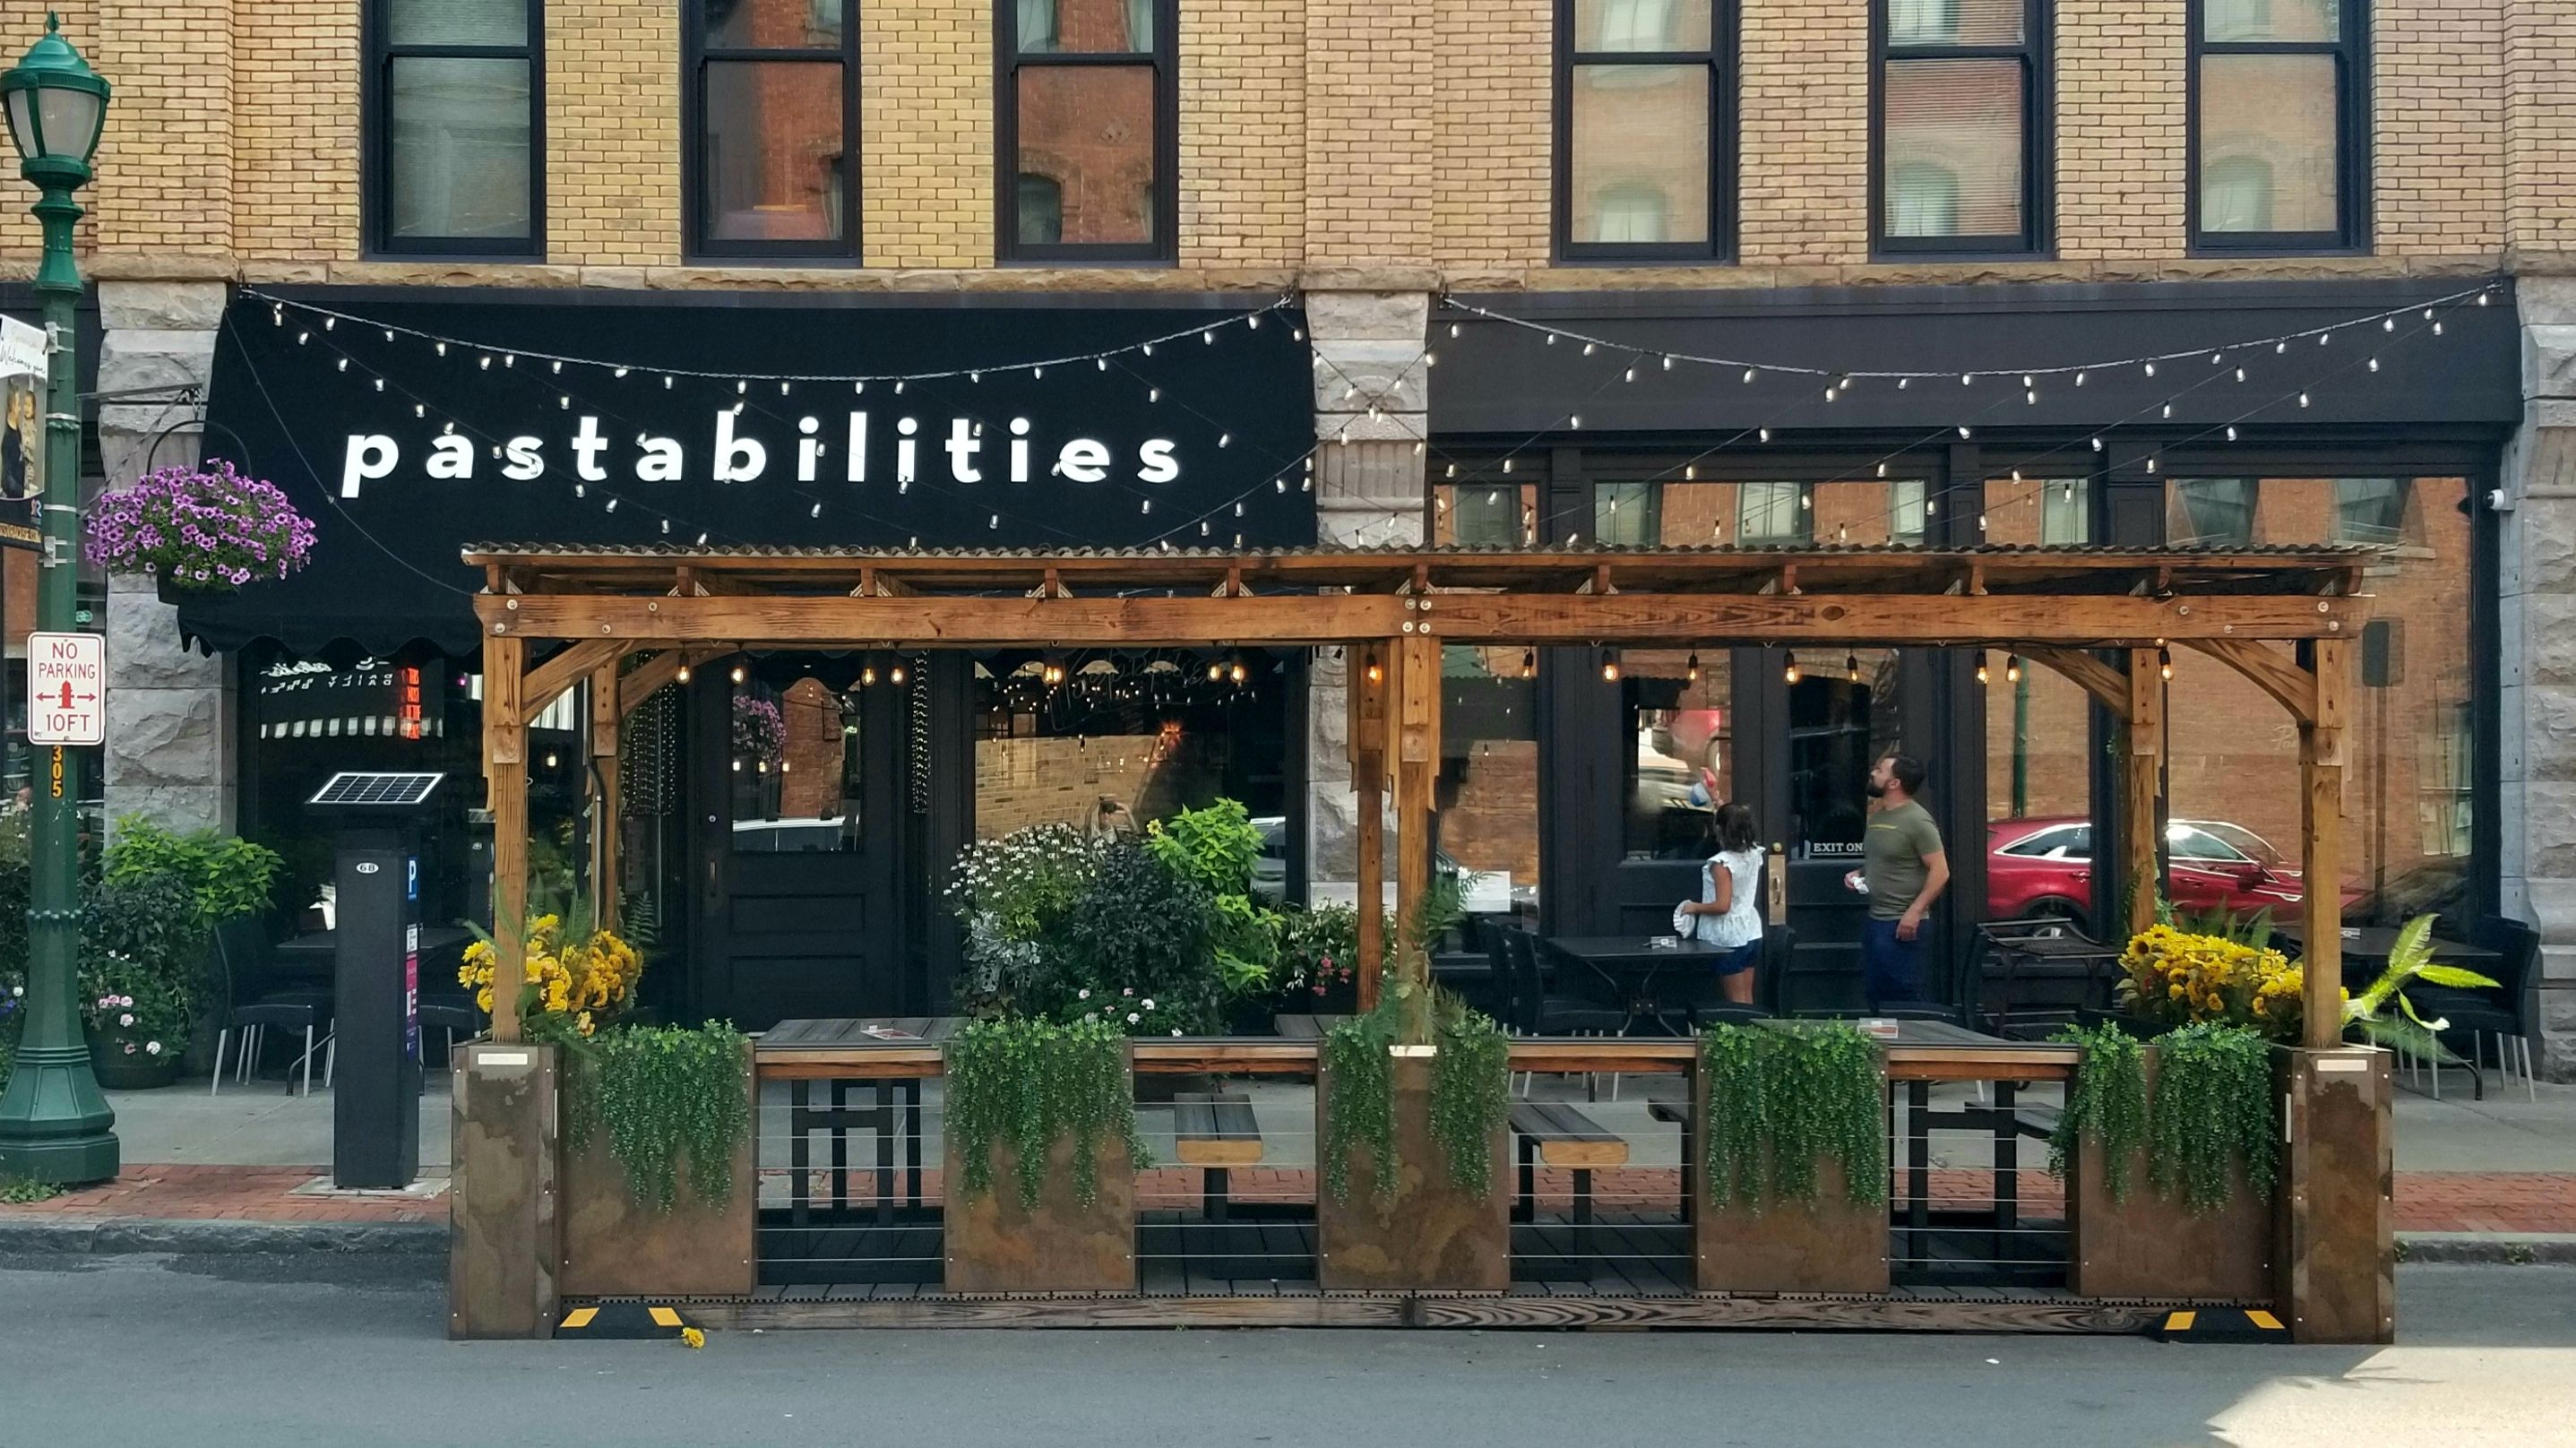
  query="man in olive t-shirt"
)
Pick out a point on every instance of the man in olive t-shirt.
point(1905, 872)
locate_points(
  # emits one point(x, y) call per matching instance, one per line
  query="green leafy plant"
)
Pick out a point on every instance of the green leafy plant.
point(2106, 1108)
point(2249, 928)
point(1029, 1083)
point(134, 1009)
point(227, 876)
point(2410, 959)
point(1319, 950)
point(1783, 1097)
point(2211, 1112)
point(664, 1094)
point(1138, 931)
point(1360, 1109)
point(1470, 1094)
point(20, 1192)
point(1214, 848)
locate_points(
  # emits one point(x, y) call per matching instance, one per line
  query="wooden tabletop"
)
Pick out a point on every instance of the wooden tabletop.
point(433, 938)
point(859, 1033)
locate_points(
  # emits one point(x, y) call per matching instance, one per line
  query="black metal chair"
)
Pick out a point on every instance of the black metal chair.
point(254, 1002)
point(2019, 983)
point(1541, 1014)
point(2474, 1015)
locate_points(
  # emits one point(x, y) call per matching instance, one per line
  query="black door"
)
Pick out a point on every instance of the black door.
point(800, 838)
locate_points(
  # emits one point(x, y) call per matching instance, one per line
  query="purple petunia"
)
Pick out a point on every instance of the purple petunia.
point(212, 527)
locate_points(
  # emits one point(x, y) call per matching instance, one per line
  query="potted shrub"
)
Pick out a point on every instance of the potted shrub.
point(1041, 1157)
point(1790, 1128)
point(198, 530)
point(143, 953)
point(226, 876)
point(1411, 1101)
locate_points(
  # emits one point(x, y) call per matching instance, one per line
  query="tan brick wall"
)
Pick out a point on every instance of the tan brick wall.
point(2121, 118)
point(1493, 133)
point(2540, 125)
point(1243, 135)
point(1805, 123)
point(167, 187)
point(612, 132)
point(2438, 154)
point(926, 133)
point(295, 128)
point(22, 23)
point(1369, 109)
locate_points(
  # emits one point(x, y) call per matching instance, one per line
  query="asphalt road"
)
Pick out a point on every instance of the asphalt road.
point(214, 1353)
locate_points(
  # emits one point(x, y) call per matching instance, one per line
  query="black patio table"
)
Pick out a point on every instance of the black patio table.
point(2371, 945)
point(312, 956)
point(1633, 965)
point(897, 1109)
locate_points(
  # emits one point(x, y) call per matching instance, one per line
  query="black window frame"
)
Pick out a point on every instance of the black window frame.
point(2351, 51)
point(1723, 81)
point(1164, 248)
point(2038, 138)
point(376, 139)
point(695, 173)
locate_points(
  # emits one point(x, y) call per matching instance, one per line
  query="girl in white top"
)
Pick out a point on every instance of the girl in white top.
point(1728, 913)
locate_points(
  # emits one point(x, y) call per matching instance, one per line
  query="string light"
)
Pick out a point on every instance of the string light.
point(1690, 670)
point(1851, 667)
point(1609, 666)
point(2164, 664)
point(684, 673)
point(1981, 666)
point(1529, 663)
point(1790, 672)
point(1375, 671)
point(894, 676)
point(2012, 668)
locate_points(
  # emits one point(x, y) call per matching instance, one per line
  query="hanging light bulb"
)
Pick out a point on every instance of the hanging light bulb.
point(684, 673)
point(2012, 668)
point(550, 759)
point(895, 675)
point(1375, 671)
point(1690, 670)
point(868, 677)
point(2164, 664)
point(1529, 663)
point(1981, 666)
point(1610, 666)
point(1851, 666)
point(738, 674)
point(1238, 673)
point(1790, 673)
point(1216, 670)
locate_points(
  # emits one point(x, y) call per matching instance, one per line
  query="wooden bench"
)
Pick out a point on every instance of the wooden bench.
point(1559, 1135)
point(1214, 1131)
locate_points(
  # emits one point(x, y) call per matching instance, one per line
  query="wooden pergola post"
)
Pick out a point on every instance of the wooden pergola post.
point(1368, 698)
point(1417, 768)
point(505, 774)
point(605, 721)
point(2142, 782)
point(2321, 763)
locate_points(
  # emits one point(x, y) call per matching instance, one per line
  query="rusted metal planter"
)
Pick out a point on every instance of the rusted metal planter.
point(2335, 1265)
point(994, 1244)
point(1831, 1244)
point(2149, 1246)
point(1427, 1235)
point(614, 1246)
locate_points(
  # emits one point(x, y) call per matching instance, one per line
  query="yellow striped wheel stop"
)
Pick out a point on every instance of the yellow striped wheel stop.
point(2220, 1324)
point(622, 1320)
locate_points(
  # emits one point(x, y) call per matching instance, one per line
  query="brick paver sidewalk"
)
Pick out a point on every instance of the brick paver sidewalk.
point(2426, 1201)
point(227, 1193)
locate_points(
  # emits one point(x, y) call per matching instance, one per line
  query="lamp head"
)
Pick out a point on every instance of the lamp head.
point(56, 107)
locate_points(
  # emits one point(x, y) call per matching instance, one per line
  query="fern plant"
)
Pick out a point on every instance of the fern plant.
point(2106, 1107)
point(1030, 1083)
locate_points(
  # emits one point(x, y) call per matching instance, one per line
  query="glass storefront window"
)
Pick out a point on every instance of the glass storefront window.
point(793, 768)
point(2406, 801)
point(1488, 788)
point(1845, 710)
point(1681, 767)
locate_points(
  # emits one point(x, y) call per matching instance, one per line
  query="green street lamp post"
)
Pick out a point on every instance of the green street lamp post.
point(55, 1126)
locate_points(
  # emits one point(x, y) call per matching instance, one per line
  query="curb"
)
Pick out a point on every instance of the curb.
point(125, 1236)
point(2518, 1249)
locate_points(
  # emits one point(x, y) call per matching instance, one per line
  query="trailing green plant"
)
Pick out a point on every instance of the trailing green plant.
point(2212, 1111)
point(1783, 1097)
point(228, 876)
point(1029, 1082)
point(1470, 1094)
point(664, 1094)
point(2106, 1108)
point(19, 1191)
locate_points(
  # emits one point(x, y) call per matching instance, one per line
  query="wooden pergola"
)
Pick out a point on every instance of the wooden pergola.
point(2284, 617)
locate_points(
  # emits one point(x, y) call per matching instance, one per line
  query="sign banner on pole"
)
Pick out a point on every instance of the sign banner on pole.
point(22, 432)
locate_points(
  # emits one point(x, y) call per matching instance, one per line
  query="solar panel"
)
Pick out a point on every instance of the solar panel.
point(359, 788)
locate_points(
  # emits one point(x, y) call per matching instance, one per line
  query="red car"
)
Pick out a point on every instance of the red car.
point(2045, 867)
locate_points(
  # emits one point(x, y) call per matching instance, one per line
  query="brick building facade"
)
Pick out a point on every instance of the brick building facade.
point(1377, 161)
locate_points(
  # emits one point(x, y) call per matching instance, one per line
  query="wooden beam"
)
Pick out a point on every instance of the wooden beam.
point(1417, 768)
point(566, 667)
point(606, 724)
point(2272, 671)
point(2109, 686)
point(2321, 765)
point(505, 773)
point(648, 678)
point(1368, 711)
point(775, 620)
point(2142, 715)
point(1993, 619)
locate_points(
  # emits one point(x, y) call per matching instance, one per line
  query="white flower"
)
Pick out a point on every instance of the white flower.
point(1083, 994)
point(1131, 990)
point(1149, 1003)
point(154, 1047)
point(1176, 1030)
point(1132, 1018)
point(125, 1020)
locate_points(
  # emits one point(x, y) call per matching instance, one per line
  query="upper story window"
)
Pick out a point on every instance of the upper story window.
point(773, 124)
point(1089, 126)
point(2278, 124)
point(1962, 126)
point(1645, 129)
point(454, 137)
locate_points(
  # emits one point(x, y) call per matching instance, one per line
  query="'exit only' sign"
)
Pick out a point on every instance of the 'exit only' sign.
point(66, 688)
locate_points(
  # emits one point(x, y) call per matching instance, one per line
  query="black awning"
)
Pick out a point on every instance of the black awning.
point(406, 427)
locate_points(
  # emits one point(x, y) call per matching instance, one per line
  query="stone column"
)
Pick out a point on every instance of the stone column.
point(2536, 581)
point(1372, 414)
point(170, 753)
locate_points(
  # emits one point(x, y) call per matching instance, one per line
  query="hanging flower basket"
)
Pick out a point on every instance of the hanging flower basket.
point(199, 530)
point(759, 730)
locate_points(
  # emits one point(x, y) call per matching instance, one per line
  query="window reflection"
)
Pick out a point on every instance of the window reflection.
point(793, 768)
point(1681, 766)
point(1844, 712)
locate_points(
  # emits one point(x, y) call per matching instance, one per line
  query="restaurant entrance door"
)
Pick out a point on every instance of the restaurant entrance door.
point(802, 837)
